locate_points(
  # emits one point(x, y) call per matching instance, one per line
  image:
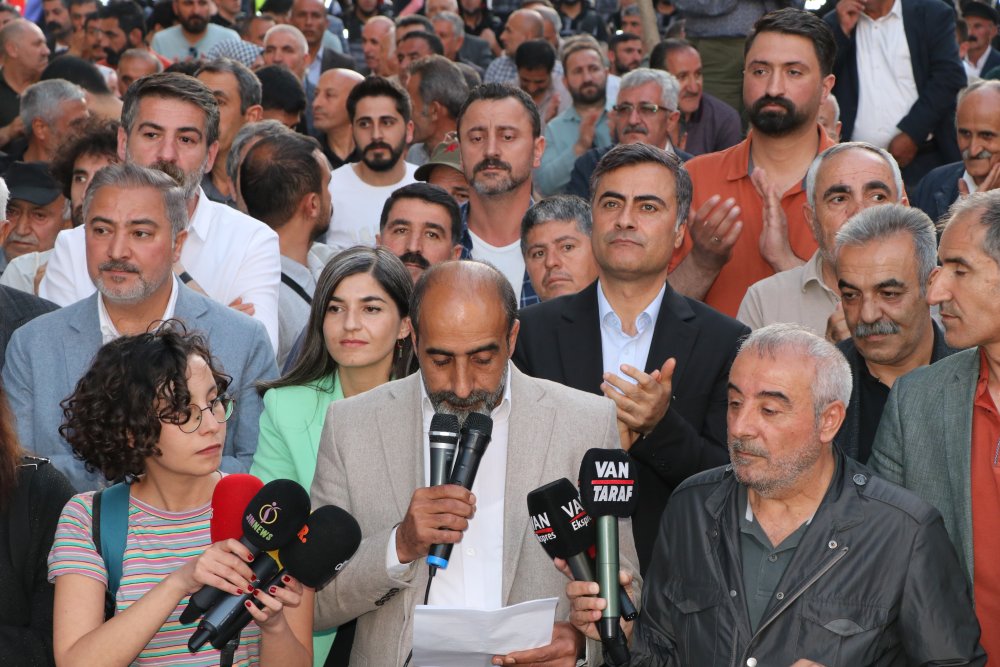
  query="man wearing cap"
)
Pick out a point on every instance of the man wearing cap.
point(444, 169)
point(982, 20)
point(36, 211)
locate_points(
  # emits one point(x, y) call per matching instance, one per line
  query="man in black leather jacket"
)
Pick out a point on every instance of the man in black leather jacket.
point(795, 554)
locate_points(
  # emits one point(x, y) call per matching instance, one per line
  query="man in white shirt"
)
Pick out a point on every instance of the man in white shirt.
point(379, 110)
point(171, 121)
point(464, 332)
point(193, 35)
point(981, 20)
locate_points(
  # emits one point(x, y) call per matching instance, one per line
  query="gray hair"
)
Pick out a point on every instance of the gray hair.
point(143, 54)
point(988, 84)
point(832, 99)
point(626, 155)
point(44, 100)
point(440, 81)
point(878, 223)
point(291, 30)
point(4, 199)
point(130, 176)
point(897, 177)
point(457, 24)
point(246, 81)
point(989, 204)
point(557, 207)
point(832, 374)
point(260, 130)
point(670, 89)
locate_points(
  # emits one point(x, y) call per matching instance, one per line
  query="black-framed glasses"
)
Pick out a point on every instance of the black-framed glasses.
point(221, 409)
point(646, 109)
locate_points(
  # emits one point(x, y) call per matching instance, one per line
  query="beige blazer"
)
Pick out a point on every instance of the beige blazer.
point(370, 463)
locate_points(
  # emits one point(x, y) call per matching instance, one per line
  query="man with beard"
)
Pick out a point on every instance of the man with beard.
point(582, 126)
point(135, 229)
point(464, 330)
point(93, 146)
point(939, 430)
point(883, 260)
point(499, 134)
point(625, 53)
point(193, 35)
point(795, 554)
point(978, 130)
point(748, 201)
point(421, 225)
point(284, 181)
point(58, 26)
point(123, 27)
point(25, 57)
point(379, 110)
point(170, 121)
point(898, 72)
point(842, 180)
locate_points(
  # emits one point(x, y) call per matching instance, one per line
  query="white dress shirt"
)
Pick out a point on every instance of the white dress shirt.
point(617, 347)
point(474, 576)
point(227, 252)
point(886, 87)
point(974, 69)
point(108, 330)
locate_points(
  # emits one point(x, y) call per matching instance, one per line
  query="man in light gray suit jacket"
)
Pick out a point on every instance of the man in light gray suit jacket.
point(940, 432)
point(135, 221)
point(372, 461)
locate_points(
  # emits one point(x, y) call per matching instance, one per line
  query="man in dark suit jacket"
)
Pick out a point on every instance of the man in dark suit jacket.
point(937, 72)
point(631, 323)
point(981, 19)
point(17, 308)
point(333, 60)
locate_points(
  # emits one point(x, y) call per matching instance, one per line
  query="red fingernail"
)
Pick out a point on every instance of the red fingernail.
point(250, 558)
point(253, 577)
point(250, 589)
point(286, 579)
point(239, 591)
point(256, 592)
point(248, 604)
point(274, 589)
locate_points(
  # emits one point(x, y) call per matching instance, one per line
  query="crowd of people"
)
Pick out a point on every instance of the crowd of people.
point(754, 244)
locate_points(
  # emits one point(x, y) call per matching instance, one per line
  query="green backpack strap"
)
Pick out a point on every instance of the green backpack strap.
point(110, 520)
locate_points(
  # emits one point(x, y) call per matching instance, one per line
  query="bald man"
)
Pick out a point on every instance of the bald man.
point(25, 55)
point(333, 126)
point(524, 24)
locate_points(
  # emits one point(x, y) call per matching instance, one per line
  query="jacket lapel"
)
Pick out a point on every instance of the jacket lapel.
point(83, 339)
point(579, 337)
point(404, 464)
point(673, 335)
point(957, 420)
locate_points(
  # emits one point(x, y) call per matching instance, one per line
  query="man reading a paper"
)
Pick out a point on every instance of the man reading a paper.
point(373, 461)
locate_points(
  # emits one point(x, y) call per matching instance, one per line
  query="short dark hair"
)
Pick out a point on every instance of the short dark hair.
point(621, 38)
point(162, 14)
point(791, 21)
point(535, 54)
point(658, 56)
point(626, 155)
point(432, 194)
point(440, 81)
point(113, 419)
point(557, 207)
point(432, 41)
point(276, 173)
point(280, 89)
point(127, 12)
point(81, 72)
point(246, 81)
point(415, 19)
point(378, 86)
point(186, 67)
point(98, 137)
point(172, 85)
point(502, 91)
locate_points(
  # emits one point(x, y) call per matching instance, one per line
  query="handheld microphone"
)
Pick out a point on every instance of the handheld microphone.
point(317, 554)
point(229, 499)
point(565, 530)
point(444, 441)
point(476, 435)
point(607, 489)
point(271, 518)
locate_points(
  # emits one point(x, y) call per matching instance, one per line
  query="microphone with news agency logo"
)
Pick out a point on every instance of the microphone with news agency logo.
point(565, 530)
point(607, 489)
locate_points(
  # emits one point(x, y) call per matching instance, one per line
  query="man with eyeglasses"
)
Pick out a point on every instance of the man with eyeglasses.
point(646, 113)
point(582, 126)
point(135, 222)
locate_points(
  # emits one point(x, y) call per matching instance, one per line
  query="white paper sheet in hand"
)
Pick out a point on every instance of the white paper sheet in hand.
point(449, 637)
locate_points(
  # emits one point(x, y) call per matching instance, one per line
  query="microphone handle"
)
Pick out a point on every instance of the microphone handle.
point(208, 596)
point(464, 474)
point(615, 649)
point(442, 456)
point(222, 620)
point(582, 568)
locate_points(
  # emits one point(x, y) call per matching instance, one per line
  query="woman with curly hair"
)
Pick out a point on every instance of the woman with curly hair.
point(152, 410)
point(356, 339)
point(32, 493)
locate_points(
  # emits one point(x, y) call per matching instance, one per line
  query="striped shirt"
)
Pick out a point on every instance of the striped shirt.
point(157, 543)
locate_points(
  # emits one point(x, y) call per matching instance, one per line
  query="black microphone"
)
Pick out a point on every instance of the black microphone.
point(444, 440)
point(607, 489)
point(565, 530)
point(269, 521)
point(476, 435)
point(324, 545)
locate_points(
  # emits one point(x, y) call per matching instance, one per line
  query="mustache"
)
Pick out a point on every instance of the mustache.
point(415, 258)
point(171, 170)
point(744, 446)
point(118, 265)
point(491, 163)
point(981, 155)
point(376, 145)
point(782, 102)
point(25, 238)
point(879, 328)
point(635, 129)
point(611, 237)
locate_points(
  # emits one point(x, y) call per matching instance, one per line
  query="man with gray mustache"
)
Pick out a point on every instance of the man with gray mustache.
point(978, 125)
point(883, 257)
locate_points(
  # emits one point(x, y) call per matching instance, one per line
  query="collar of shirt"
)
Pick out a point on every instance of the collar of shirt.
point(201, 219)
point(896, 12)
point(978, 66)
point(812, 271)
point(108, 330)
point(967, 177)
point(738, 164)
point(646, 319)
point(619, 348)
